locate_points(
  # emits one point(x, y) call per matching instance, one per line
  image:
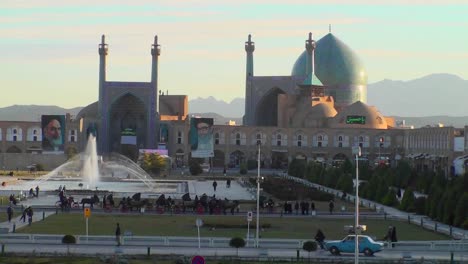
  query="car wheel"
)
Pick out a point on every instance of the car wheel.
point(368, 252)
point(334, 251)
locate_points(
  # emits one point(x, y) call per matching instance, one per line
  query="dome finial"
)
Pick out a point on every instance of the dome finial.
point(103, 39)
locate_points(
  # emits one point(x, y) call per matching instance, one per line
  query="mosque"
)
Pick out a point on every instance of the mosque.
point(317, 113)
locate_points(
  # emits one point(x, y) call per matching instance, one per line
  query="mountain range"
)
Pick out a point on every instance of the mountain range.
point(430, 100)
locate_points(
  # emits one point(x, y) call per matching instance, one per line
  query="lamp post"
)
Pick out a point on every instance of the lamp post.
point(258, 195)
point(357, 152)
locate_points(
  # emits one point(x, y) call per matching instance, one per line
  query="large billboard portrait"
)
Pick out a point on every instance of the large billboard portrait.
point(201, 137)
point(53, 133)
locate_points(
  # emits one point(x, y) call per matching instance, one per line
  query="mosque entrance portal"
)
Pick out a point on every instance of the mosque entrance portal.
point(128, 125)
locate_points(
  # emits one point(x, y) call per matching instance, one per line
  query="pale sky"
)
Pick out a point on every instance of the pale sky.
point(49, 49)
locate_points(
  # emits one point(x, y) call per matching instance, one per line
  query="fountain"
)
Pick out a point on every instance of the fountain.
point(87, 174)
point(90, 168)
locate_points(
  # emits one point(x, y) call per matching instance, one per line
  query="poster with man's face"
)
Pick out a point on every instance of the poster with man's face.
point(201, 137)
point(53, 133)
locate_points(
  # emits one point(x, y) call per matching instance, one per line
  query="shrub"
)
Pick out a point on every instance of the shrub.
point(195, 167)
point(68, 239)
point(237, 242)
point(243, 169)
point(39, 167)
point(309, 246)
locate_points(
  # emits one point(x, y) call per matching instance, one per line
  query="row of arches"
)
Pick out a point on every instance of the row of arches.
point(271, 159)
point(33, 134)
point(301, 139)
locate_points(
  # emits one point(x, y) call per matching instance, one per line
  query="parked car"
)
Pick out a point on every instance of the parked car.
point(366, 245)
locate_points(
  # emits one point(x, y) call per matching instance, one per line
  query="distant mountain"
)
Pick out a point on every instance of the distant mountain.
point(206, 105)
point(432, 99)
point(33, 112)
point(432, 95)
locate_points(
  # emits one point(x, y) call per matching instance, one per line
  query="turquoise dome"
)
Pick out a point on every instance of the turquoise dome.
point(335, 64)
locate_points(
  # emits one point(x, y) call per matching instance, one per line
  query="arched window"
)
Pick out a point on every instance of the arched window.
point(278, 140)
point(238, 139)
point(299, 140)
point(216, 138)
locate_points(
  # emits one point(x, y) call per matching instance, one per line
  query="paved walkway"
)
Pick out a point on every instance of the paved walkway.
point(17, 223)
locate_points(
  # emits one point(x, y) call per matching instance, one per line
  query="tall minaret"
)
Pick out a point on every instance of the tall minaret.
point(248, 115)
point(102, 72)
point(310, 47)
point(155, 52)
point(153, 128)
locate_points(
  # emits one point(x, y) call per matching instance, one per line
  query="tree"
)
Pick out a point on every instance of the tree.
point(390, 198)
point(297, 168)
point(407, 202)
point(461, 211)
point(152, 162)
point(68, 239)
point(420, 205)
point(237, 242)
point(345, 183)
point(195, 167)
point(309, 246)
point(243, 169)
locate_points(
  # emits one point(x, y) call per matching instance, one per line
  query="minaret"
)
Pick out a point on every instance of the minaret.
point(155, 52)
point(310, 47)
point(248, 115)
point(153, 127)
point(102, 72)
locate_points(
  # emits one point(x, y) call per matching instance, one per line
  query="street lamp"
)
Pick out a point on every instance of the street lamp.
point(258, 194)
point(357, 152)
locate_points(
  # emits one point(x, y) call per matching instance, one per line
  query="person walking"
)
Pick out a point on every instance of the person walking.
point(228, 183)
point(23, 215)
point(37, 191)
point(331, 205)
point(30, 215)
point(9, 213)
point(320, 238)
point(215, 184)
point(117, 234)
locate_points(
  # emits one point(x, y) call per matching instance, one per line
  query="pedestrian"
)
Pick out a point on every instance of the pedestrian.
point(215, 184)
point(320, 238)
point(224, 171)
point(296, 207)
point(117, 234)
point(331, 205)
point(37, 191)
point(23, 215)
point(228, 183)
point(31, 192)
point(9, 213)
point(393, 237)
point(30, 215)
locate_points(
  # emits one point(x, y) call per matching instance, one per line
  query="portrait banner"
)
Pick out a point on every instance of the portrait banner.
point(53, 133)
point(201, 137)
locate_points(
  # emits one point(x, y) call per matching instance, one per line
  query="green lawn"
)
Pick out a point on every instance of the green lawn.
point(225, 226)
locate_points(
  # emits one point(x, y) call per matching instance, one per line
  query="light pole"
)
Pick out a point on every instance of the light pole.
point(258, 195)
point(357, 152)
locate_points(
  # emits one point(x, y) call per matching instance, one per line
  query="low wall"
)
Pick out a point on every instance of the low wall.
point(20, 161)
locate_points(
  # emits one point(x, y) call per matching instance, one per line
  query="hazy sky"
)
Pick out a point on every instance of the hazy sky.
point(49, 56)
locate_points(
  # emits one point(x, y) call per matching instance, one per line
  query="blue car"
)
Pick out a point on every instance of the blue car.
point(366, 245)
